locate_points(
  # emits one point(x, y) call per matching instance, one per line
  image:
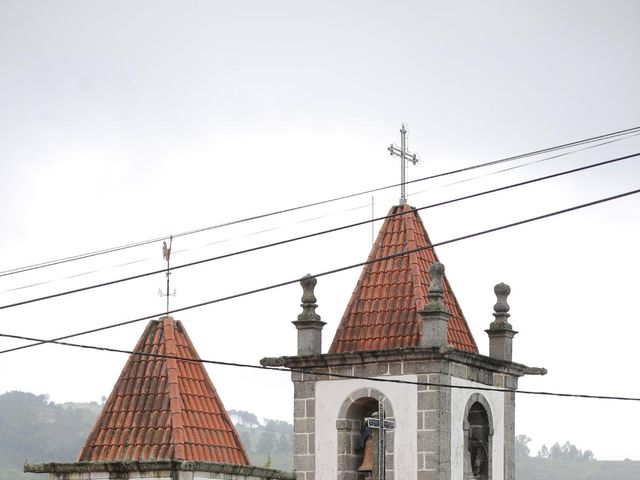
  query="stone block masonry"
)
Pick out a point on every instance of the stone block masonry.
point(434, 431)
point(304, 419)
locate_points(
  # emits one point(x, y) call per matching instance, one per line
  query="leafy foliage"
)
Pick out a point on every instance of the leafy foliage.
point(247, 419)
point(568, 451)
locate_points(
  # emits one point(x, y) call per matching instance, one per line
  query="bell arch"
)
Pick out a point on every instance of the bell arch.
point(478, 438)
point(350, 426)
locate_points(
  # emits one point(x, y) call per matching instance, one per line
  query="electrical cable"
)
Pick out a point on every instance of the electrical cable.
point(13, 271)
point(271, 229)
point(182, 250)
point(311, 235)
point(508, 169)
point(324, 374)
point(336, 270)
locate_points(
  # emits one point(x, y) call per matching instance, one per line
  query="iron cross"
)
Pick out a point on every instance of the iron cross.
point(381, 424)
point(404, 155)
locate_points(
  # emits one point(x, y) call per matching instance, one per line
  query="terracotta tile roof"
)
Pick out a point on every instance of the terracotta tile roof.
point(164, 408)
point(382, 313)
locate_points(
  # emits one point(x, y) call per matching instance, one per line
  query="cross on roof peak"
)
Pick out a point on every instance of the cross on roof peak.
point(404, 155)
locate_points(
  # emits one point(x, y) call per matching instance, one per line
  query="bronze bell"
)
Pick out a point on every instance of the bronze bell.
point(367, 458)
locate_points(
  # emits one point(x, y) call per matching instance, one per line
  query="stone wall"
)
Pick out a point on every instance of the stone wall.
point(304, 419)
point(434, 431)
point(154, 470)
point(432, 435)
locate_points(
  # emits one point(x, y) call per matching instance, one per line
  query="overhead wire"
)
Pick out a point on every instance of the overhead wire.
point(177, 251)
point(13, 271)
point(335, 270)
point(320, 373)
point(534, 162)
point(310, 235)
point(317, 217)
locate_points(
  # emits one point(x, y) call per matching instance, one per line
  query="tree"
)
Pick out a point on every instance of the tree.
point(277, 426)
point(266, 443)
point(556, 451)
point(588, 456)
point(245, 438)
point(570, 451)
point(285, 442)
point(522, 449)
point(543, 452)
point(244, 418)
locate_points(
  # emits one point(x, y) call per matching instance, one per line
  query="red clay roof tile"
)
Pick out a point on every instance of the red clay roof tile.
point(383, 310)
point(161, 408)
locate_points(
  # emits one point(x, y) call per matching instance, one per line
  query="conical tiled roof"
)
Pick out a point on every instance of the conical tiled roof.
point(164, 408)
point(382, 313)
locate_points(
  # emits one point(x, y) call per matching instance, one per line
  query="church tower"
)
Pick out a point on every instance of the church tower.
point(403, 392)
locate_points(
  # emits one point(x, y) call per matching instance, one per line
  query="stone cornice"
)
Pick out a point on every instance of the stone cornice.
point(155, 466)
point(415, 354)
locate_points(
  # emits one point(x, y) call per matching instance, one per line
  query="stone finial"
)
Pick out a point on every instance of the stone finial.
point(308, 324)
point(502, 291)
point(435, 315)
point(500, 331)
point(308, 299)
point(501, 308)
point(436, 271)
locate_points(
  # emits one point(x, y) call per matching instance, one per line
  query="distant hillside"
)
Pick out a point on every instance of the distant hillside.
point(269, 443)
point(34, 429)
point(535, 468)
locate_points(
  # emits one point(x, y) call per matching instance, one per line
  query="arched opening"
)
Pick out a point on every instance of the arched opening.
point(478, 435)
point(353, 433)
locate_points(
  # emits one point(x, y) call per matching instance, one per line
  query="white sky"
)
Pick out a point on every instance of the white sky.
point(122, 121)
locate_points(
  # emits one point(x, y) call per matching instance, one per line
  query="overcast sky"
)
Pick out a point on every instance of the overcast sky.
point(125, 121)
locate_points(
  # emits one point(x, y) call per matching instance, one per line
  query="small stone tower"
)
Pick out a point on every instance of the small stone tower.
point(404, 348)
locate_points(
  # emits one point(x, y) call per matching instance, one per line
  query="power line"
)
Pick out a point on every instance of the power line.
point(173, 252)
point(50, 263)
point(333, 271)
point(546, 159)
point(271, 229)
point(322, 374)
point(311, 235)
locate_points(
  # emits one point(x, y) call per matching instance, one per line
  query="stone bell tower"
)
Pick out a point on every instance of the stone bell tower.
point(404, 348)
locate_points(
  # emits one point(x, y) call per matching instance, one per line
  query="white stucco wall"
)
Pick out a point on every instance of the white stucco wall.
point(330, 396)
point(459, 399)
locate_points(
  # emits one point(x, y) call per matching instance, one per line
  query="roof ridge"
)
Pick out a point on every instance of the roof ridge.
point(447, 287)
point(223, 410)
point(366, 271)
point(90, 440)
point(173, 379)
point(416, 278)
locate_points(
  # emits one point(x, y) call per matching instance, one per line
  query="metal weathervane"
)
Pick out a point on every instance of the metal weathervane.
point(404, 155)
point(166, 254)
